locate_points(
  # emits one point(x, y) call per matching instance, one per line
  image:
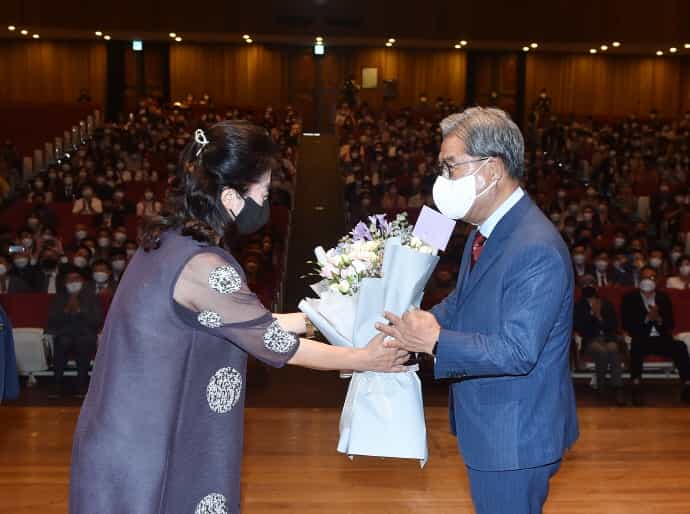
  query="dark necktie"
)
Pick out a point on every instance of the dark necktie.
point(477, 247)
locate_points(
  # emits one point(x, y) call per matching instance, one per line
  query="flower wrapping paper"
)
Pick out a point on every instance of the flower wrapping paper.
point(383, 413)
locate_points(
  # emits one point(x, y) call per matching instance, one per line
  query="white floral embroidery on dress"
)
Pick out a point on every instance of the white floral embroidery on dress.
point(210, 319)
point(225, 280)
point(212, 504)
point(224, 390)
point(278, 340)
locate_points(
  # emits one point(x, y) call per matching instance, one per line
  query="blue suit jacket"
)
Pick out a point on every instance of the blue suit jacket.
point(505, 338)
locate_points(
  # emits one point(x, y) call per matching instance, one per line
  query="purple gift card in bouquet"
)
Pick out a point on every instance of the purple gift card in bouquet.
point(380, 266)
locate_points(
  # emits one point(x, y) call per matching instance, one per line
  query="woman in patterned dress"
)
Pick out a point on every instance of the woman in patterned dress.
point(160, 431)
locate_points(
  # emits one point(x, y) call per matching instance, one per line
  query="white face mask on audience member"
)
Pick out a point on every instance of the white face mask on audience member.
point(647, 285)
point(655, 262)
point(73, 287)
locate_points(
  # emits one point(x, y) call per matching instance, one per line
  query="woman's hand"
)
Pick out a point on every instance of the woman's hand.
point(378, 357)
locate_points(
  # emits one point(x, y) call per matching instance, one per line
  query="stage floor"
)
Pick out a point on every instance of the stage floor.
point(627, 461)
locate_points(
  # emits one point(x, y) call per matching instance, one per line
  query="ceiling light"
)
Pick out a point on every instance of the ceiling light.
point(106, 37)
point(391, 40)
point(11, 28)
point(604, 48)
point(35, 36)
point(246, 36)
point(687, 45)
point(319, 39)
point(534, 45)
point(659, 53)
point(98, 33)
point(673, 49)
point(616, 44)
point(178, 39)
point(389, 44)
point(463, 42)
point(458, 46)
point(525, 48)
point(173, 35)
point(249, 41)
point(25, 32)
point(592, 50)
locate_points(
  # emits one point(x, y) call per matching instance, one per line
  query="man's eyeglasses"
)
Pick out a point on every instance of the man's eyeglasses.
point(445, 169)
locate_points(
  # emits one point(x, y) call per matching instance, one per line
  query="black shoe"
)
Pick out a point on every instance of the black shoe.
point(685, 394)
point(637, 395)
point(620, 397)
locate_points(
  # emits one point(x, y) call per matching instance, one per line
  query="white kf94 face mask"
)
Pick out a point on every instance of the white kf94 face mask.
point(455, 198)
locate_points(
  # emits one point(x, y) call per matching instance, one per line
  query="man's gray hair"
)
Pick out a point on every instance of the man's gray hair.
point(488, 132)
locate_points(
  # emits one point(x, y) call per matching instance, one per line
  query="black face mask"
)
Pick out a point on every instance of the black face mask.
point(253, 216)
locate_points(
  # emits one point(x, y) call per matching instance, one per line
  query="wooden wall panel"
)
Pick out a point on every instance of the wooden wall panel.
point(47, 71)
point(608, 85)
point(434, 72)
point(239, 75)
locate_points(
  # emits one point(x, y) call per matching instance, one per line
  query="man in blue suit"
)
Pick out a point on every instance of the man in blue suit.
point(503, 335)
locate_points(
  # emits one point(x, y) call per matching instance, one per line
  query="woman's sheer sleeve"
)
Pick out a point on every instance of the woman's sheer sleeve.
point(214, 288)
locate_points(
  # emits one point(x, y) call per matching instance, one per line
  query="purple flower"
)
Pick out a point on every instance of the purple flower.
point(381, 223)
point(361, 233)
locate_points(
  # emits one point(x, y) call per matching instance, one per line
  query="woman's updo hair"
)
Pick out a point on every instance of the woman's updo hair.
point(233, 154)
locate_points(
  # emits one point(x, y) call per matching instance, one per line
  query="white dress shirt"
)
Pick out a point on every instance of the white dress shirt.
point(490, 223)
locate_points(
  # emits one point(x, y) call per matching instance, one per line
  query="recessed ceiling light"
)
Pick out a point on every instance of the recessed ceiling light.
point(604, 48)
point(534, 45)
point(463, 42)
point(106, 37)
point(673, 49)
point(389, 44)
point(11, 28)
point(659, 53)
point(525, 48)
point(178, 39)
point(98, 33)
point(391, 40)
point(319, 40)
point(616, 44)
point(687, 45)
point(249, 41)
point(35, 36)
point(25, 32)
point(173, 35)
point(592, 50)
point(246, 36)
point(457, 46)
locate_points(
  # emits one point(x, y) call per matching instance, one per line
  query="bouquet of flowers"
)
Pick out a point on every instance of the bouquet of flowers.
point(380, 266)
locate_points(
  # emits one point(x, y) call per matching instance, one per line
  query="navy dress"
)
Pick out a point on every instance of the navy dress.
point(161, 428)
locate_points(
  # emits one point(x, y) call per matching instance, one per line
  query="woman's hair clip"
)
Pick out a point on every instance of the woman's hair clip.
point(201, 139)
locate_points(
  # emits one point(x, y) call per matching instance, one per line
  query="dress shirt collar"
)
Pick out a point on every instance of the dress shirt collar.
point(490, 223)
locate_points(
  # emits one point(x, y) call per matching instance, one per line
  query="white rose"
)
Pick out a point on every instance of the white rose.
point(427, 249)
point(344, 286)
point(360, 266)
point(415, 242)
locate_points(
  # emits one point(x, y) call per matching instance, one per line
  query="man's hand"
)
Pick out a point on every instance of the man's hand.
point(653, 314)
point(417, 331)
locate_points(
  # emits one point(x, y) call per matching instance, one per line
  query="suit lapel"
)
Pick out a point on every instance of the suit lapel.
point(465, 262)
point(494, 244)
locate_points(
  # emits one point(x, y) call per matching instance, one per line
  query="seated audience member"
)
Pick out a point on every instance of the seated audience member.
point(148, 206)
point(131, 248)
point(38, 188)
point(580, 264)
point(602, 271)
point(80, 261)
point(621, 274)
point(81, 232)
point(9, 282)
point(47, 277)
point(657, 260)
point(66, 192)
point(74, 320)
point(103, 244)
point(595, 321)
point(101, 188)
point(392, 200)
point(648, 318)
point(119, 237)
point(88, 204)
point(682, 279)
point(118, 263)
point(23, 268)
point(121, 205)
point(102, 284)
